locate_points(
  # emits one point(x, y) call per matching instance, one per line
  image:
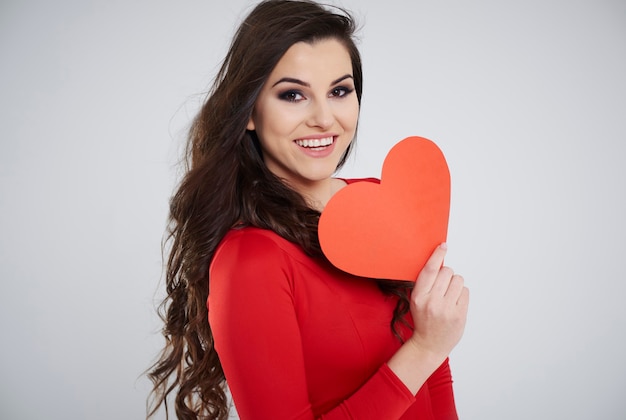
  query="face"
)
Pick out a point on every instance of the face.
point(306, 114)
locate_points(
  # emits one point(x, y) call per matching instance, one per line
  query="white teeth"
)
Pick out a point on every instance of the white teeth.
point(315, 142)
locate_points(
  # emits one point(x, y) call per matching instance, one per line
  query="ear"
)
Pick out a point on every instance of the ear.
point(251, 125)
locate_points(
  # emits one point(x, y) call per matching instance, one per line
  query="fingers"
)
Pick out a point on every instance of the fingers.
point(439, 304)
point(455, 286)
point(438, 280)
point(457, 293)
point(442, 282)
point(463, 299)
point(428, 275)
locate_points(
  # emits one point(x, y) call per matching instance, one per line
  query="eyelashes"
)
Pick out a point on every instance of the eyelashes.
point(341, 91)
point(291, 96)
point(294, 95)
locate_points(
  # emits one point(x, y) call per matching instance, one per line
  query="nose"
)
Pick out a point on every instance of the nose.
point(321, 115)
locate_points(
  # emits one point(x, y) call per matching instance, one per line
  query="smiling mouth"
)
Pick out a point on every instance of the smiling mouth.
point(315, 144)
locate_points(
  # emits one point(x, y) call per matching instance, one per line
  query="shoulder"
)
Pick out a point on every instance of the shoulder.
point(255, 248)
point(252, 263)
point(251, 238)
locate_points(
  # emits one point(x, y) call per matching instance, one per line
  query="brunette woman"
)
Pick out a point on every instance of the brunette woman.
point(252, 302)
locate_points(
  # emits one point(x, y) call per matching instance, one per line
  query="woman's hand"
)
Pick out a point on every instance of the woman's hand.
point(439, 309)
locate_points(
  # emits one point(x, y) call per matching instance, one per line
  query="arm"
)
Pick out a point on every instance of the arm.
point(439, 304)
point(254, 323)
point(441, 393)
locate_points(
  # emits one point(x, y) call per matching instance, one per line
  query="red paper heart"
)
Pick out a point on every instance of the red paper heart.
point(389, 230)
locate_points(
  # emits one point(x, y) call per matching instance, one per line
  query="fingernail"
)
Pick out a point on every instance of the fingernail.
point(444, 245)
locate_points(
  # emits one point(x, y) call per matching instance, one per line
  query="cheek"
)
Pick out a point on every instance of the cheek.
point(282, 119)
point(349, 116)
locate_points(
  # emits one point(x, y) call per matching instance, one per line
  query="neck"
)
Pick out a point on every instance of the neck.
point(318, 193)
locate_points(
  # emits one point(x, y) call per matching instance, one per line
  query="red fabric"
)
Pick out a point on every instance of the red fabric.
point(299, 339)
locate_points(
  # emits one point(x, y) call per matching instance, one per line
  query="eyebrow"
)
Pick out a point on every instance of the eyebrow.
point(305, 84)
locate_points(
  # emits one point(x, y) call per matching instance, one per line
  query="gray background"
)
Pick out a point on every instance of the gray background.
point(527, 99)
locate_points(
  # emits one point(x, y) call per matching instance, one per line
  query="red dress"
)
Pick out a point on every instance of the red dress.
point(300, 339)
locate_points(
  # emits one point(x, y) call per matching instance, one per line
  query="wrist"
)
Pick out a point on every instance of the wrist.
point(413, 364)
point(425, 353)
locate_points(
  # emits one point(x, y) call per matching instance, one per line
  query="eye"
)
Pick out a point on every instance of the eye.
point(291, 96)
point(340, 91)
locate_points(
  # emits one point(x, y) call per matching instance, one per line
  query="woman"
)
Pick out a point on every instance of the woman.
point(294, 337)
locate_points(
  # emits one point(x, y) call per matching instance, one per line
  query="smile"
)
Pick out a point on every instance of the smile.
point(315, 143)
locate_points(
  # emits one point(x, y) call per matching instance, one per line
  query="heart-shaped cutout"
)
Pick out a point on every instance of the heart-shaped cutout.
point(389, 230)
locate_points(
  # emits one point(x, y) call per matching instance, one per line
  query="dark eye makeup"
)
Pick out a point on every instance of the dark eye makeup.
point(341, 91)
point(294, 95)
point(291, 95)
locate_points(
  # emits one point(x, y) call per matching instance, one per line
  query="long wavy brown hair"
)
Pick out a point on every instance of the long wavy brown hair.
point(226, 183)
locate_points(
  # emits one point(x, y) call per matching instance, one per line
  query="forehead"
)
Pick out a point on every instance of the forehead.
point(327, 58)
